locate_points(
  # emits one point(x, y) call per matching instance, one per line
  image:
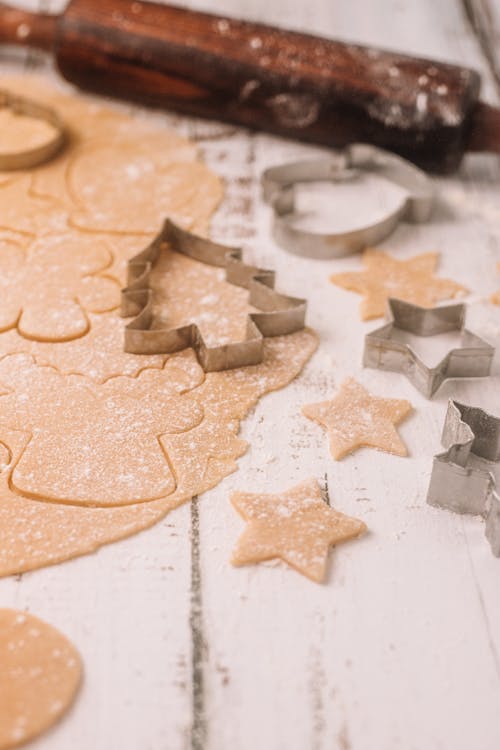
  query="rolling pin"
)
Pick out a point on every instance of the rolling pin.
point(292, 84)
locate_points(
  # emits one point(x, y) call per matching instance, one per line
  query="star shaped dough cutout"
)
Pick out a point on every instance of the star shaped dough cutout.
point(296, 526)
point(411, 280)
point(355, 419)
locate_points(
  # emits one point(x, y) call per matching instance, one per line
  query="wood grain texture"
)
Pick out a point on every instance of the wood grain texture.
point(400, 649)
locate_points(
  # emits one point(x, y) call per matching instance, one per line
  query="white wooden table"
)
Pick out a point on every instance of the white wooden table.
point(401, 647)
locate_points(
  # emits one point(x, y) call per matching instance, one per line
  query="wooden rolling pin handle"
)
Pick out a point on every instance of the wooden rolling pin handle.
point(293, 84)
point(27, 29)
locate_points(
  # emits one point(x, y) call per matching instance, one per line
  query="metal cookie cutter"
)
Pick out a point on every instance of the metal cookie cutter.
point(31, 157)
point(278, 189)
point(384, 351)
point(280, 314)
point(455, 484)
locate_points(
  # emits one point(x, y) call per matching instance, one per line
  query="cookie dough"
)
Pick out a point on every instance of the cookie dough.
point(97, 444)
point(50, 284)
point(296, 526)
point(411, 280)
point(354, 418)
point(187, 291)
point(35, 533)
point(31, 215)
point(99, 354)
point(135, 183)
point(40, 675)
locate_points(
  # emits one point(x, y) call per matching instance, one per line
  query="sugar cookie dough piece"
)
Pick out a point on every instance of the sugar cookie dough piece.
point(187, 291)
point(95, 128)
point(296, 526)
point(136, 185)
point(34, 533)
point(48, 285)
point(96, 444)
point(411, 280)
point(23, 212)
point(145, 172)
point(99, 354)
point(40, 675)
point(354, 418)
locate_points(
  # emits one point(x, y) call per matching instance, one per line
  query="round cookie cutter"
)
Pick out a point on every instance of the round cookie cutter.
point(31, 157)
point(278, 189)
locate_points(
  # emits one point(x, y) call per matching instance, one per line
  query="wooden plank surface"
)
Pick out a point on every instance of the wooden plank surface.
point(400, 649)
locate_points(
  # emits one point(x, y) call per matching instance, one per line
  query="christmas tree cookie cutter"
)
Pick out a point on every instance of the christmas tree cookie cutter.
point(278, 189)
point(31, 157)
point(384, 351)
point(278, 314)
point(456, 484)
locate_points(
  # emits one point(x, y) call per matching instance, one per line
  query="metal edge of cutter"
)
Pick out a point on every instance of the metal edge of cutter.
point(384, 351)
point(457, 485)
point(278, 189)
point(28, 158)
point(278, 314)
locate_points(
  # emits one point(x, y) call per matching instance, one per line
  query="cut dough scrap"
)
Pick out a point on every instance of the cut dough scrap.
point(39, 678)
point(296, 526)
point(48, 286)
point(96, 444)
point(411, 280)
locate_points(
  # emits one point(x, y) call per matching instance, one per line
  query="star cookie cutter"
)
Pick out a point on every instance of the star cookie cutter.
point(278, 189)
point(280, 314)
point(384, 351)
point(456, 484)
point(31, 157)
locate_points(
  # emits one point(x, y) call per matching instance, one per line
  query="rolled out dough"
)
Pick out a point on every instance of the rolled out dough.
point(34, 533)
point(95, 443)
